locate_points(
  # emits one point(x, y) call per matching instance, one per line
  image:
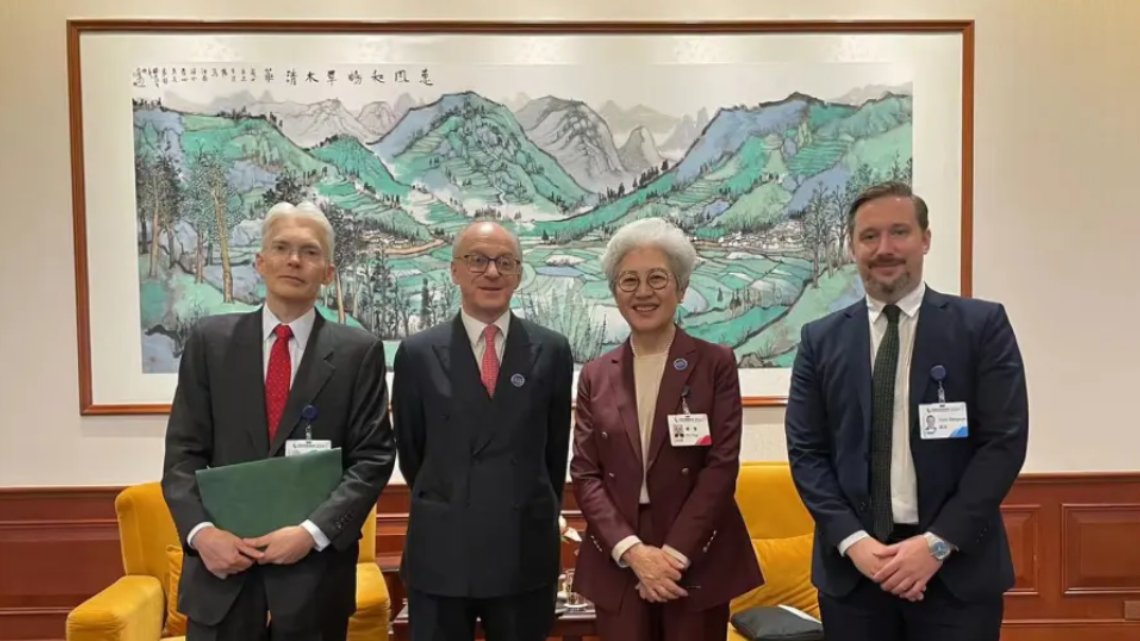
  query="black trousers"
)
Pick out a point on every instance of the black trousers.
point(248, 619)
point(869, 613)
point(520, 617)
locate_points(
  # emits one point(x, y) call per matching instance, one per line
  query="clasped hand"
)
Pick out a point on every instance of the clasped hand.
point(657, 573)
point(225, 554)
point(903, 569)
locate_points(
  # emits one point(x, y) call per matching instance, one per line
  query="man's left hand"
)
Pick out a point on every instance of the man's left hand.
point(907, 574)
point(285, 546)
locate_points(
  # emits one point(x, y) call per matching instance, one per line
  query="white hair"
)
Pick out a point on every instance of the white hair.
point(651, 232)
point(306, 210)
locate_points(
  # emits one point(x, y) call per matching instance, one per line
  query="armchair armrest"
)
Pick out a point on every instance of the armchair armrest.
point(373, 606)
point(130, 609)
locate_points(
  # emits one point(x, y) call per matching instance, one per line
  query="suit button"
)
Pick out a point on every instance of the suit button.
point(610, 474)
point(605, 434)
point(684, 471)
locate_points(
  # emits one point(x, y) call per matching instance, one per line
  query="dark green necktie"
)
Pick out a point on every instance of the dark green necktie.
point(882, 424)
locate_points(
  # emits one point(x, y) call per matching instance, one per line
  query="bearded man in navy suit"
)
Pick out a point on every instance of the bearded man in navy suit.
point(907, 424)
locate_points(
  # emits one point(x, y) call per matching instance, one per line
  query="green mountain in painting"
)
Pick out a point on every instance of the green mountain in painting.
point(762, 191)
point(472, 151)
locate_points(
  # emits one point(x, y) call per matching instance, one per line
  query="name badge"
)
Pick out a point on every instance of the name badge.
point(689, 430)
point(297, 447)
point(942, 420)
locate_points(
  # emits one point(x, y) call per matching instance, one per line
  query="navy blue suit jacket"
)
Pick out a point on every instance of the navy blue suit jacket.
point(961, 482)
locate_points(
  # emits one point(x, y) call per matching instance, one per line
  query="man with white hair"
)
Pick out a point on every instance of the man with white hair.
point(244, 381)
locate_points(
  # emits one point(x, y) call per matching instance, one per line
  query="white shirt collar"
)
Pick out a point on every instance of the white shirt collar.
point(302, 326)
point(909, 304)
point(475, 327)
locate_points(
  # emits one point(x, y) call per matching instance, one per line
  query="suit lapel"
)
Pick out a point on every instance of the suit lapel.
point(519, 356)
point(621, 381)
point(459, 363)
point(315, 369)
point(858, 339)
point(929, 338)
point(443, 350)
point(682, 360)
point(247, 362)
point(468, 394)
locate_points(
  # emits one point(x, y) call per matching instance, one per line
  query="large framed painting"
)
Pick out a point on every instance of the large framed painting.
point(753, 137)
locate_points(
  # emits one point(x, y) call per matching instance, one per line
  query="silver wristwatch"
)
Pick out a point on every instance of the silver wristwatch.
point(939, 549)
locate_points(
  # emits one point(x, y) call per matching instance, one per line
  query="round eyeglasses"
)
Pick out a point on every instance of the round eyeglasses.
point(478, 263)
point(657, 279)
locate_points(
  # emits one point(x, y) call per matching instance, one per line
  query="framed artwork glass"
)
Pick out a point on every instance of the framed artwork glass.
point(752, 137)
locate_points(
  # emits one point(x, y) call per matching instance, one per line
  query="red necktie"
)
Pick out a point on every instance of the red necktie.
point(490, 369)
point(277, 379)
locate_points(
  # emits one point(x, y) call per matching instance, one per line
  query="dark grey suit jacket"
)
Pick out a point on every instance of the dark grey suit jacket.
point(218, 418)
point(486, 474)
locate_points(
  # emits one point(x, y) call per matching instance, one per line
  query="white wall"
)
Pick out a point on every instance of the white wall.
point(1057, 138)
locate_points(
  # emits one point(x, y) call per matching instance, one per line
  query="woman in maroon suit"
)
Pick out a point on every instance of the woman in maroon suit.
point(656, 456)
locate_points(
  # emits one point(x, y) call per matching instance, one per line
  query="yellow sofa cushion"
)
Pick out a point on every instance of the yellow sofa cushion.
point(130, 609)
point(372, 605)
point(787, 573)
point(175, 620)
point(770, 503)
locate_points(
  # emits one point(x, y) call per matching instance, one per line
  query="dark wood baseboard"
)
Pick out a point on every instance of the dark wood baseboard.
point(1073, 538)
point(1070, 630)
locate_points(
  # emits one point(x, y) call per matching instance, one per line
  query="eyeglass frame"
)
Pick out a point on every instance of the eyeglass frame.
point(281, 249)
point(669, 277)
point(468, 261)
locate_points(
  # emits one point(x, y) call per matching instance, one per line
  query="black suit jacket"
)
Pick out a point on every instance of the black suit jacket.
point(961, 482)
point(218, 418)
point(486, 475)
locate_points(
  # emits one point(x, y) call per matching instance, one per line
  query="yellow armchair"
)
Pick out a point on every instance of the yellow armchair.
point(781, 529)
point(139, 605)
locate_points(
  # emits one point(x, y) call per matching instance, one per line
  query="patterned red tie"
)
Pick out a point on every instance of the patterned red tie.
point(490, 368)
point(277, 379)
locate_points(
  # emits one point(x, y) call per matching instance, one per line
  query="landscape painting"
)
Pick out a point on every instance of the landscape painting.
point(402, 158)
point(753, 138)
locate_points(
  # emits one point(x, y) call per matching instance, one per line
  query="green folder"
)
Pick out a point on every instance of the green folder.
point(255, 498)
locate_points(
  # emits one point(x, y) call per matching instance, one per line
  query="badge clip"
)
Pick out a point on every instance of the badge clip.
point(309, 413)
point(938, 373)
point(684, 401)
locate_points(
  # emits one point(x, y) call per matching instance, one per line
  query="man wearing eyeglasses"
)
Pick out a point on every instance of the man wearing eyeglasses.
point(251, 385)
point(481, 409)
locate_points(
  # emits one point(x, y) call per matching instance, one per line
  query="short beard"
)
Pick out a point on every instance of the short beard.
point(890, 291)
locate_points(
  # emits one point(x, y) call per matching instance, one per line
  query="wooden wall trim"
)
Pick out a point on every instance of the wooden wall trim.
point(1072, 537)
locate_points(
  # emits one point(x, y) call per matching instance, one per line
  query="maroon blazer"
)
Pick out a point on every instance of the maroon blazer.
point(691, 489)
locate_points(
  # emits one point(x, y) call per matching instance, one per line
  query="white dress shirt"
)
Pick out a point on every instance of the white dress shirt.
point(302, 327)
point(904, 483)
point(475, 328)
